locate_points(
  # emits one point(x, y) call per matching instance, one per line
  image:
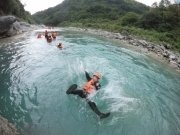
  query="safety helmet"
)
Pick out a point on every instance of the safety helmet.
point(97, 75)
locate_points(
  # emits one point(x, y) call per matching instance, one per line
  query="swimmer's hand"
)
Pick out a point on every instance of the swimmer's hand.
point(97, 84)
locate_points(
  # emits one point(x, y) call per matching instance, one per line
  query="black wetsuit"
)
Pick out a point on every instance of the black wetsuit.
point(84, 94)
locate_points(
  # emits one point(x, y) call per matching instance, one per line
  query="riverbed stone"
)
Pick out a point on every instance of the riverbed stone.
point(167, 46)
point(172, 57)
point(165, 54)
point(174, 64)
point(143, 42)
point(125, 33)
point(7, 128)
point(178, 61)
point(118, 36)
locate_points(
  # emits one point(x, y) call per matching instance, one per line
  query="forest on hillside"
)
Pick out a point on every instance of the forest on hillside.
point(89, 10)
point(159, 23)
point(16, 8)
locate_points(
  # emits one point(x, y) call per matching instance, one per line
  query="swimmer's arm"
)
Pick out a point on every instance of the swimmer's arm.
point(98, 86)
point(87, 76)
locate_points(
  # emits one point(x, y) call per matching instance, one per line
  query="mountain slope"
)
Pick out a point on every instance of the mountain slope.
point(14, 7)
point(77, 10)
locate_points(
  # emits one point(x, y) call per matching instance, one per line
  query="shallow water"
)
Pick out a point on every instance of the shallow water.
point(142, 94)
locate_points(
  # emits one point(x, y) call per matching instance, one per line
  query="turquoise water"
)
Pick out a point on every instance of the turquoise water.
point(142, 94)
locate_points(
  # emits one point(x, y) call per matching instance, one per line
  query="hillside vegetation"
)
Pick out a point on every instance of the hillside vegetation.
point(88, 11)
point(14, 7)
point(159, 23)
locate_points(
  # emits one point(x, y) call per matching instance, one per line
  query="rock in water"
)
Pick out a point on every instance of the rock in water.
point(6, 128)
point(5, 23)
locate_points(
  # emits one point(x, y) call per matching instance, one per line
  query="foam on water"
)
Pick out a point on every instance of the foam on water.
point(141, 93)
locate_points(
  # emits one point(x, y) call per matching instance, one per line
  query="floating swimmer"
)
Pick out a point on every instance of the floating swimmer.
point(54, 35)
point(92, 85)
point(60, 45)
point(46, 34)
point(39, 36)
point(49, 38)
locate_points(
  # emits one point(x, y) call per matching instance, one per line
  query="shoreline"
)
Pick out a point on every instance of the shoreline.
point(162, 53)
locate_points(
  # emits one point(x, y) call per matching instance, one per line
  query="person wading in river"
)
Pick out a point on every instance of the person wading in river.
point(92, 85)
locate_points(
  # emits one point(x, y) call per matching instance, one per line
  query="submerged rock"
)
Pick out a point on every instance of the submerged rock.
point(5, 23)
point(7, 128)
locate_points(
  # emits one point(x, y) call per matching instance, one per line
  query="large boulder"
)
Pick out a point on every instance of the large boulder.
point(5, 23)
point(14, 29)
point(25, 26)
point(7, 128)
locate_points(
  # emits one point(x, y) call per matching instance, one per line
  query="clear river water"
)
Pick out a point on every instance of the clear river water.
point(142, 94)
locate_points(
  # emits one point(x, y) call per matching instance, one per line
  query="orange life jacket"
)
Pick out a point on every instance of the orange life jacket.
point(89, 87)
point(54, 35)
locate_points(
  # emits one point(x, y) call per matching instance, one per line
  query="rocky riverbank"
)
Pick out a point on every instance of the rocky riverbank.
point(160, 52)
point(9, 26)
point(7, 128)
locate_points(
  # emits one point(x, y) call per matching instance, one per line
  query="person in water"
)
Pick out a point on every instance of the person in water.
point(39, 36)
point(46, 34)
point(49, 38)
point(60, 45)
point(92, 85)
point(54, 35)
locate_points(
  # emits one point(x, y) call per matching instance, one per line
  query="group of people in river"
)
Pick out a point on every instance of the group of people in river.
point(49, 37)
point(89, 88)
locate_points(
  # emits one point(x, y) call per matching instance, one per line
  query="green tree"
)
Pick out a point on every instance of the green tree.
point(130, 19)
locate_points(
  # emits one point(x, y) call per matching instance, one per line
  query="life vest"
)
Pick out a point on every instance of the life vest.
point(89, 87)
point(54, 35)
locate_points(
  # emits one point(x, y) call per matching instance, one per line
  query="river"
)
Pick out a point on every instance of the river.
point(142, 94)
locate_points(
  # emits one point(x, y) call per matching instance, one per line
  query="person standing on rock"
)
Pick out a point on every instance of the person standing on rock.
point(92, 85)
